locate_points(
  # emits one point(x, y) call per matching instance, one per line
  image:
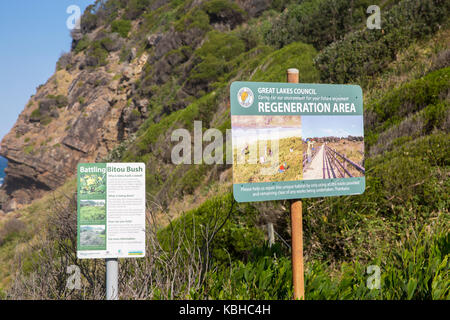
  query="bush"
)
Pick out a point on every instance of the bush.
point(122, 27)
point(59, 101)
point(215, 53)
point(296, 55)
point(224, 11)
point(226, 230)
point(64, 61)
point(409, 98)
point(136, 8)
point(82, 44)
point(366, 52)
point(12, 228)
point(36, 114)
point(89, 20)
point(97, 55)
point(195, 18)
point(265, 276)
point(318, 22)
point(419, 270)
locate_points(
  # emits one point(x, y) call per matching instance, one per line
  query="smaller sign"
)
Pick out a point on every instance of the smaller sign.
point(111, 210)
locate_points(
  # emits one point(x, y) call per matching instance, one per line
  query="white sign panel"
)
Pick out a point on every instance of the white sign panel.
point(111, 210)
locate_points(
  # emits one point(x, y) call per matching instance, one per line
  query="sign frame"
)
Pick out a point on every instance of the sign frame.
point(334, 102)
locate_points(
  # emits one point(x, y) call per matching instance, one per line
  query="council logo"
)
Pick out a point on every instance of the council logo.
point(245, 97)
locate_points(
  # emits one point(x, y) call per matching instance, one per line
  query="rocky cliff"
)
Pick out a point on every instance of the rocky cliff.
point(102, 90)
point(78, 115)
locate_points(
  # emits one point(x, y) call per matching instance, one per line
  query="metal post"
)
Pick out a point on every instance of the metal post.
point(297, 228)
point(112, 279)
point(271, 233)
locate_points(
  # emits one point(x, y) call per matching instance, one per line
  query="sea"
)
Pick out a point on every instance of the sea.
point(3, 165)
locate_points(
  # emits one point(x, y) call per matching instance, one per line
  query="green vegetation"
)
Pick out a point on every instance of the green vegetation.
point(97, 54)
point(82, 100)
point(305, 22)
point(244, 172)
point(36, 113)
point(60, 101)
point(235, 229)
point(427, 94)
point(365, 52)
point(82, 45)
point(28, 149)
point(215, 54)
point(274, 66)
point(122, 27)
point(92, 213)
point(213, 247)
point(91, 184)
point(418, 271)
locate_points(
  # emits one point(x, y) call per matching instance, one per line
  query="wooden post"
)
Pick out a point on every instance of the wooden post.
point(296, 228)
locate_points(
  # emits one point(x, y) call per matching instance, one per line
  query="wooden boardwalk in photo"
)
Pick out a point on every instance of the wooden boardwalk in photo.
point(329, 164)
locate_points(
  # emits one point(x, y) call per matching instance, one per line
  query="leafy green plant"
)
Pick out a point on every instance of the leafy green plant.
point(93, 184)
point(365, 52)
point(82, 44)
point(122, 27)
point(318, 22)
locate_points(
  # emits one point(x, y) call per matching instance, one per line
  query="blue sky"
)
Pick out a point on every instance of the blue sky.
point(33, 34)
point(324, 126)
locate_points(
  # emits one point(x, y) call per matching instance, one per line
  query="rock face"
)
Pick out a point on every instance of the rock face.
point(77, 116)
point(104, 89)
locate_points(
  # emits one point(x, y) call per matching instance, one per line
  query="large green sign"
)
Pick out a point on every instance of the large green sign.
point(294, 141)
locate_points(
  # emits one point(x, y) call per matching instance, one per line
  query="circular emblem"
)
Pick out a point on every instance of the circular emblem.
point(245, 97)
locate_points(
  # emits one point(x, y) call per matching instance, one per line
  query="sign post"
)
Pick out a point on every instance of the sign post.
point(296, 140)
point(296, 228)
point(111, 215)
point(112, 279)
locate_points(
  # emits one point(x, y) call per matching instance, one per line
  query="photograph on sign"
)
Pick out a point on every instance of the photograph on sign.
point(111, 210)
point(257, 159)
point(296, 140)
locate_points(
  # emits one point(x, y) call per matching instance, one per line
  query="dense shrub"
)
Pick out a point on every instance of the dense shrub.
point(419, 270)
point(296, 55)
point(122, 27)
point(214, 55)
point(89, 20)
point(96, 55)
point(58, 101)
point(221, 226)
point(195, 18)
point(135, 8)
point(64, 61)
point(409, 98)
point(82, 44)
point(12, 228)
point(365, 53)
point(318, 22)
point(224, 11)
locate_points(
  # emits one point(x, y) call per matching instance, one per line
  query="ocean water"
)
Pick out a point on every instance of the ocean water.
point(3, 165)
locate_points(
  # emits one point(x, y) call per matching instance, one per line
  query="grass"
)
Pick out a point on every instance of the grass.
point(353, 150)
point(92, 213)
point(245, 172)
